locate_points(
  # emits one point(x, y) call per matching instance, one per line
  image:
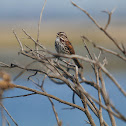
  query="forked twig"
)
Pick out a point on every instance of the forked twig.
point(110, 51)
point(104, 49)
point(109, 17)
point(102, 29)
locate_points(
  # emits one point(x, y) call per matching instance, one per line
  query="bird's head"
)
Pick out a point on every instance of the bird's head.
point(62, 36)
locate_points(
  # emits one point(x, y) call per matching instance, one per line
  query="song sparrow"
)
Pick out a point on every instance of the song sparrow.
point(64, 46)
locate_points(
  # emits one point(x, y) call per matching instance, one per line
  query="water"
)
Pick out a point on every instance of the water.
point(36, 109)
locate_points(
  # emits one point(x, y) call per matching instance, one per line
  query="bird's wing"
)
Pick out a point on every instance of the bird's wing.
point(70, 47)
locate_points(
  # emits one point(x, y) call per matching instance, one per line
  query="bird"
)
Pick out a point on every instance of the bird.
point(64, 46)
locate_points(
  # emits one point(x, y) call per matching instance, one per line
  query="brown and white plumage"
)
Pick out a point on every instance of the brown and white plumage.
point(64, 46)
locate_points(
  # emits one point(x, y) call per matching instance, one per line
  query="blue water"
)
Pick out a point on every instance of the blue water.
point(36, 110)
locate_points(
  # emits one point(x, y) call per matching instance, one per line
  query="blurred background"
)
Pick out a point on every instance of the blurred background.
point(58, 15)
point(61, 15)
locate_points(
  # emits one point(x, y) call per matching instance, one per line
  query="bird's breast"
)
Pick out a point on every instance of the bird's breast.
point(60, 46)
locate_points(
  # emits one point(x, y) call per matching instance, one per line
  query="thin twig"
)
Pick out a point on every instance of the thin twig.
point(85, 45)
point(29, 36)
point(40, 20)
point(109, 17)
point(102, 29)
point(23, 70)
point(110, 51)
point(104, 107)
point(18, 96)
point(99, 96)
point(7, 121)
point(51, 96)
point(112, 78)
point(53, 107)
point(20, 43)
point(106, 98)
point(9, 115)
point(4, 64)
point(36, 45)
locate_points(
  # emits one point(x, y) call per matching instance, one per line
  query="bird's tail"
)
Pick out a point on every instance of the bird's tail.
point(78, 63)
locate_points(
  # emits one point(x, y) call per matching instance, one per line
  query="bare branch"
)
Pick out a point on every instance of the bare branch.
point(4, 64)
point(51, 96)
point(124, 48)
point(7, 121)
point(94, 21)
point(106, 98)
point(23, 70)
point(29, 36)
point(102, 29)
point(20, 43)
point(83, 38)
point(104, 107)
point(40, 20)
point(9, 115)
point(109, 17)
point(104, 49)
point(36, 45)
point(99, 96)
point(53, 107)
point(110, 51)
point(112, 78)
point(19, 96)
